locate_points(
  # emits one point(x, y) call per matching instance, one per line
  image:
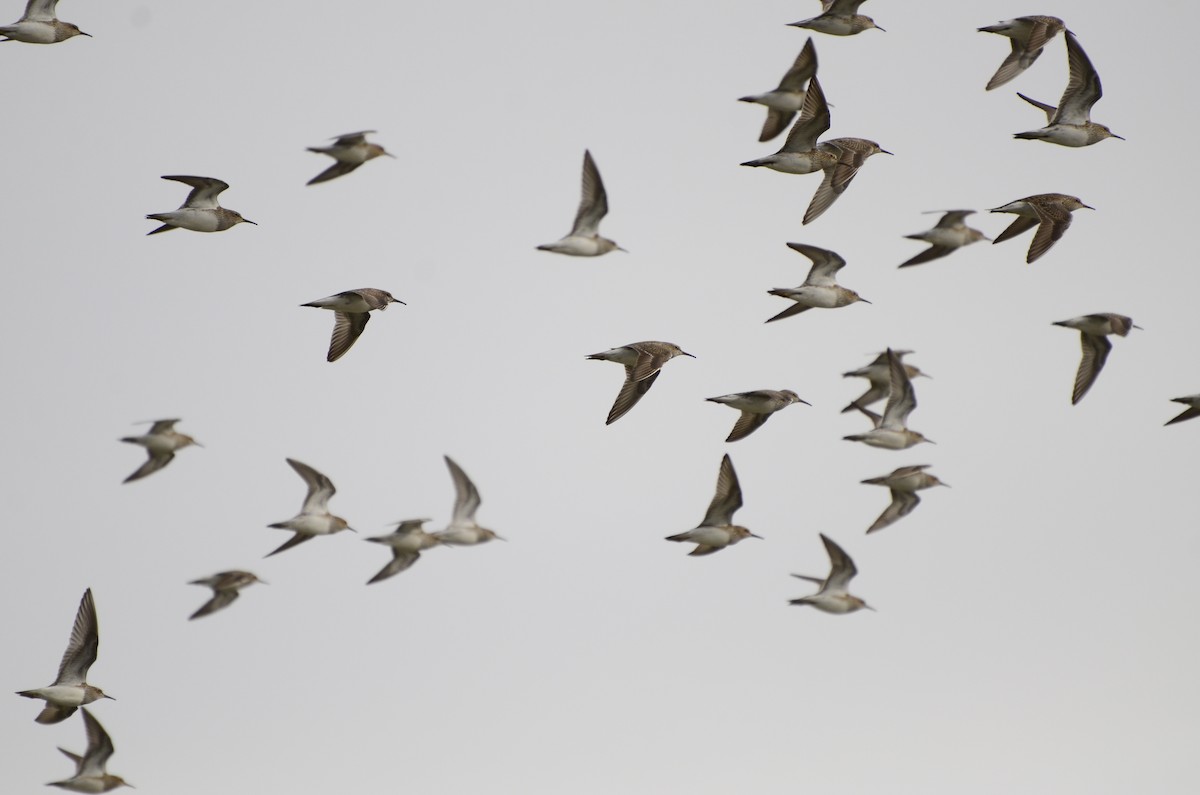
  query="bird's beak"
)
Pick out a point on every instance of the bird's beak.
point(1088, 207)
point(1139, 328)
point(197, 444)
point(110, 698)
point(389, 154)
point(865, 301)
point(805, 402)
point(623, 249)
point(884, 151)
point(754, 535)
point(931, 441)
point(1114, 135)
point(248, 221)
point(881, 30)
point(500, 538)
point(352, 530)
point(685, 353)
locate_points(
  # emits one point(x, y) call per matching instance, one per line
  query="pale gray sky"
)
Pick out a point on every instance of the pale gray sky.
point(1036, 628)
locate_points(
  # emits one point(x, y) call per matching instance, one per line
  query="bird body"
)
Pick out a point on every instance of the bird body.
point(39, 25)
point(161, 442)
point(756, 408)
point(891, 430)
point(1093, 337)
point(1070, 124)
point(349, 151)
point(820, 289)
point(463, 530)
point(784, 101)
point(91, 769)
point(949, 234)
point(1029, 36)
point(226, 586)
point(314, 518)
point(1049, 212)
point(904, 483)
point(642, 361)
point(833, 597)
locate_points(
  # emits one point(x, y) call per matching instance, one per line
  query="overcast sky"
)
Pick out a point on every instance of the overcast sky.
point(1036, 628)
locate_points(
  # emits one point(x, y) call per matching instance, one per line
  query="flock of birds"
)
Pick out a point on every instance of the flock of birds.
point(799, 102)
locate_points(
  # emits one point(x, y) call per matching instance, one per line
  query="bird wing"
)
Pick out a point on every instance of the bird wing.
point(593, 203)
point(347, 328)
point(825, 264)
point(1095, 353)
point(154, 462)
point(929, 254)
point(40, 11)
point(1049, 110)
point(162, 426)
point(902, 399)
point(400, 561)
point(1083, 87)
point(338, 169)
point(296, 540)
point(727, 499)
point(777, 121)
point(83, 645)
point(350, 139)
point(1054, 220)
point(466, 496)
point(813, 121)
point(631, 392)
point(902, 504)
point(100, 748)
point(746, 424)
point(1021, 224)
point(804, 68)
point(953, 219)
point(222, 597)
point(841, 567)
point(320, 488)
point(204, 191)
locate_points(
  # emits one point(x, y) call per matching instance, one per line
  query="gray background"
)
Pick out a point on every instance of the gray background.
point(1036, 628)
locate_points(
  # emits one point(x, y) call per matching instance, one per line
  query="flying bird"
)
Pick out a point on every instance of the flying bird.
point(879, 374)
point(783, 102)
point(91, 769)
point(891, 430)
point(407, 542)
point(39, 25)
point(1070, 124)
point(756, 408)
point(70, 689)
point(348, 151)
point(833, 597)
point(850, 155)
point(820, 289)
point(718, 531)
point(584, 240)
point(352, 312)
point(904, 484)
point(838, 18)
point(642, 361)
point(1029, 35)
point(200, 211)
point(225, 586)
point(1093, 337)
point(161, 442)
point(463, 530)
point(948, 235)
point(1049, 212)
point(799, 153)
point(314, 518)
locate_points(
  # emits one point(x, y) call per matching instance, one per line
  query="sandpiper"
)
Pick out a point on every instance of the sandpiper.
point(463, 530)
point(1049, 212)
point(1070, 124)
point(950, 233)
point(584, 239)
point(406, 541)
point(904, 484)
point(718, 531)
point(850, 154)
point(783, 102)
point(1193, 409)
point(642, 361)
point(314, 518)
point(819, 290)
point(1029, 35)
point(38, 25)
point(799, 153)
point(91, 773)
point(352, 309)
point(838, 18)
point(70, 689)
point(879, 374)
point(161, 442)
point(1093, 337)
point(891, 431)
point(349, 151)
point(833, 596)
point(225, 586)
point(756, 407)
point(200, 211)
